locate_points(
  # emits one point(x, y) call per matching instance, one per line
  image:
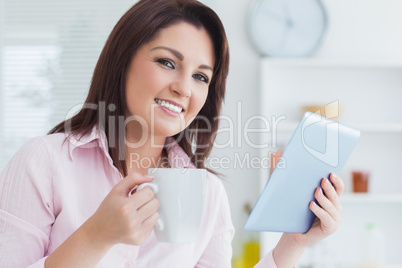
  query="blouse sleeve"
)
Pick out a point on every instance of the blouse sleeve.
point(26, 207)
point(267, 261)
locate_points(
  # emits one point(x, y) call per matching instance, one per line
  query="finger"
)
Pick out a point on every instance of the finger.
point(326, 205)
point(337, 183)
point(126, 185)
point(149, 207)
point(142, 197)
point(328, 225)
point(151, 220)
point(331, 194)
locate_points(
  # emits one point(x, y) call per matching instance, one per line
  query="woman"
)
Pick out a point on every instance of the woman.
point(67, 198)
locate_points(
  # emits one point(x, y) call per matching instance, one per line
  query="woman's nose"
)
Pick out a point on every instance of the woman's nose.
point(182, 87)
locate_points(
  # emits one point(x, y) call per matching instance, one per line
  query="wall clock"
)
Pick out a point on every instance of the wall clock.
point(287, 28)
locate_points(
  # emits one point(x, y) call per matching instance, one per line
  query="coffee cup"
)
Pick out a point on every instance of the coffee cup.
point(181, 195)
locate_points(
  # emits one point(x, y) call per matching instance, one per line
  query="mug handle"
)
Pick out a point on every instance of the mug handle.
point(159, 225)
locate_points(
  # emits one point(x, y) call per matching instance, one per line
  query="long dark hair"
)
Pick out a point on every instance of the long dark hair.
point(138, 26)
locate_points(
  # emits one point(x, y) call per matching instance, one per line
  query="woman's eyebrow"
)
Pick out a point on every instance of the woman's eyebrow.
point(203, 66)
point(180, 56)
point(174, 51)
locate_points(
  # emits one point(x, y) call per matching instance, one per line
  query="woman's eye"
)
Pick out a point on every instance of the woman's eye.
point(201, 77)
point(166, 63)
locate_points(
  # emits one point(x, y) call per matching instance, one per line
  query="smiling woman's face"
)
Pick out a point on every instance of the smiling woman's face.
point(168, 80)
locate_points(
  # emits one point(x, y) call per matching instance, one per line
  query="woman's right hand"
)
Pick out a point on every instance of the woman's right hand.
point(123, 217)
point(120, 218)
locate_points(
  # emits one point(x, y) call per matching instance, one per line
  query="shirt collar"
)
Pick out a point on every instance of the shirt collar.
point(97, 138)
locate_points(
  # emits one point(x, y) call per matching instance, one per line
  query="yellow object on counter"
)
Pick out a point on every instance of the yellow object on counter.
point(251, 254)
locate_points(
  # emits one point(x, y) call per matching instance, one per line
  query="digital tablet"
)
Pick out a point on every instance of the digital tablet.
point(319, 146)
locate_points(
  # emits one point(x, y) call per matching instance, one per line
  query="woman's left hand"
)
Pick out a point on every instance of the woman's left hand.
point(328, 215)
point(292, 245)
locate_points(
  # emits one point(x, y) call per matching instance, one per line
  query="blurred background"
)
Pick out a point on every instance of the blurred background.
point(48, 50)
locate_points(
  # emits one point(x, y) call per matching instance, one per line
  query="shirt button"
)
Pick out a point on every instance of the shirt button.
point(129, 264)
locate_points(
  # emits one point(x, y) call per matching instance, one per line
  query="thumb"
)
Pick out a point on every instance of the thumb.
point(126, 185)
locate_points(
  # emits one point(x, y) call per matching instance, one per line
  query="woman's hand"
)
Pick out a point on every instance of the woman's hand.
point(123, 217)
point(120, 218)
point(328, 215)
point(292, 245)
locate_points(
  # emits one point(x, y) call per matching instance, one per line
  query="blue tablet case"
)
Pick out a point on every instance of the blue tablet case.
point(318, 147)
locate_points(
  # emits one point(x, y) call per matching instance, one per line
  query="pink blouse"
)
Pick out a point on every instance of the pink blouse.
point(51, 187)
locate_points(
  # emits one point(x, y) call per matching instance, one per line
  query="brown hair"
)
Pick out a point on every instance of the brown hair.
point(138, 26)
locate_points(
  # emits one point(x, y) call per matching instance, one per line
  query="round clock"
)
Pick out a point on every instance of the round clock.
point(287, 28)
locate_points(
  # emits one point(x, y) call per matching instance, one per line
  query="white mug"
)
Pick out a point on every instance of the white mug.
point(181, 195)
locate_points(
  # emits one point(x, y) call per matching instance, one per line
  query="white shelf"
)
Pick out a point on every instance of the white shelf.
point(368, 198)
point(380, 127)
point(369, 127)
point(333, 63)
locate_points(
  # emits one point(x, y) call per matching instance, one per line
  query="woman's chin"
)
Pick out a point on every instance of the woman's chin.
point(167, 132)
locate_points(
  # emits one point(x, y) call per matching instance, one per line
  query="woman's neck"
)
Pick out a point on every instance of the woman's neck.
point(144, 154)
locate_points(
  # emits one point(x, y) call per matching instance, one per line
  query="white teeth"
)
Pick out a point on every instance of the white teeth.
point(168, 105)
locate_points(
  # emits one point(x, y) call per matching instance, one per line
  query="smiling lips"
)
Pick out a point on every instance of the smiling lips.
point(169, 107)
